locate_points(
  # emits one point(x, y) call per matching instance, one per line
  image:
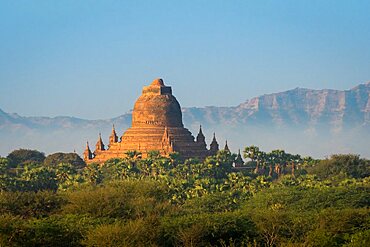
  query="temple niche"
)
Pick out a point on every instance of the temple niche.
point(156, 126)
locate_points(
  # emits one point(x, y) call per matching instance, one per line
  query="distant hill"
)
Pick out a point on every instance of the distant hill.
point(297, 107)
point(311, 122)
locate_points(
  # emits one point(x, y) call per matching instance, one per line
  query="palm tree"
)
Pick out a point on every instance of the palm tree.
point(154, 154)
point(266, 162)
point(261, 159)
point(254, 153)
point(93, 173)
point(279, 159)
point(296, 160)
point(133, 154)
point(270, 160)
point(64, 172)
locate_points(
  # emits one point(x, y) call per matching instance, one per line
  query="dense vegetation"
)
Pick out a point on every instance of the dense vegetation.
point(276, 199)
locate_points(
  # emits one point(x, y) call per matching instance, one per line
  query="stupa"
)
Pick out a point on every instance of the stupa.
point(156, 126)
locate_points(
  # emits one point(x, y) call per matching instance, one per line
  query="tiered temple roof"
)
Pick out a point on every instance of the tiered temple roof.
point(156, 125)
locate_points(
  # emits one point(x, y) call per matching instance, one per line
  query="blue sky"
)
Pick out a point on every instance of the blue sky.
point(90, 59)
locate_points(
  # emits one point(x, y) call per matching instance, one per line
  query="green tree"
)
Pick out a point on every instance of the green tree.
point(55, 159)
point(119, 169)
point(345, 165)
point(66, 175)
point(6, 177)
point(30, 204)
point(93, 174)
point(39, 178)
point(23, 157)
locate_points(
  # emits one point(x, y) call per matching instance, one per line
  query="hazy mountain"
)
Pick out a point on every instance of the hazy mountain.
point(311, 122)
point(300, 107)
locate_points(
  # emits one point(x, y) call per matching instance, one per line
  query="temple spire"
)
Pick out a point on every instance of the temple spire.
point(201, 140)
point(99, 144)
point(239, 160)
point(166, 132)
point(87, 153)
point(226, 148)
point(167, 142)
point(165, 137)
point(200, 130)
point(214, 145)
point(113, 138)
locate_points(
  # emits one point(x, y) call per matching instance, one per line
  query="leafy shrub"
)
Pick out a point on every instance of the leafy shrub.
point(211, 203)
point(53, 231)
point(337, 227)
point(289, 214)
point(138, 232)
point(298, 198)
point(126, 199)
point(30, 204)
point(10, 228)
point(206, 229)
point(359, 239)
point(38, 178)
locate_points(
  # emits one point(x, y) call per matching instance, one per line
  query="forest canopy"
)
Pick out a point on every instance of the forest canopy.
point(273, 199)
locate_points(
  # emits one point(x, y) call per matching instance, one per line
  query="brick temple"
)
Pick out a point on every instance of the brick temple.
point(156, 126)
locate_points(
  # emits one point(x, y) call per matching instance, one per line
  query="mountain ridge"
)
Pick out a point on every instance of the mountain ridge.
point(308, 112)
point(241, 105)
